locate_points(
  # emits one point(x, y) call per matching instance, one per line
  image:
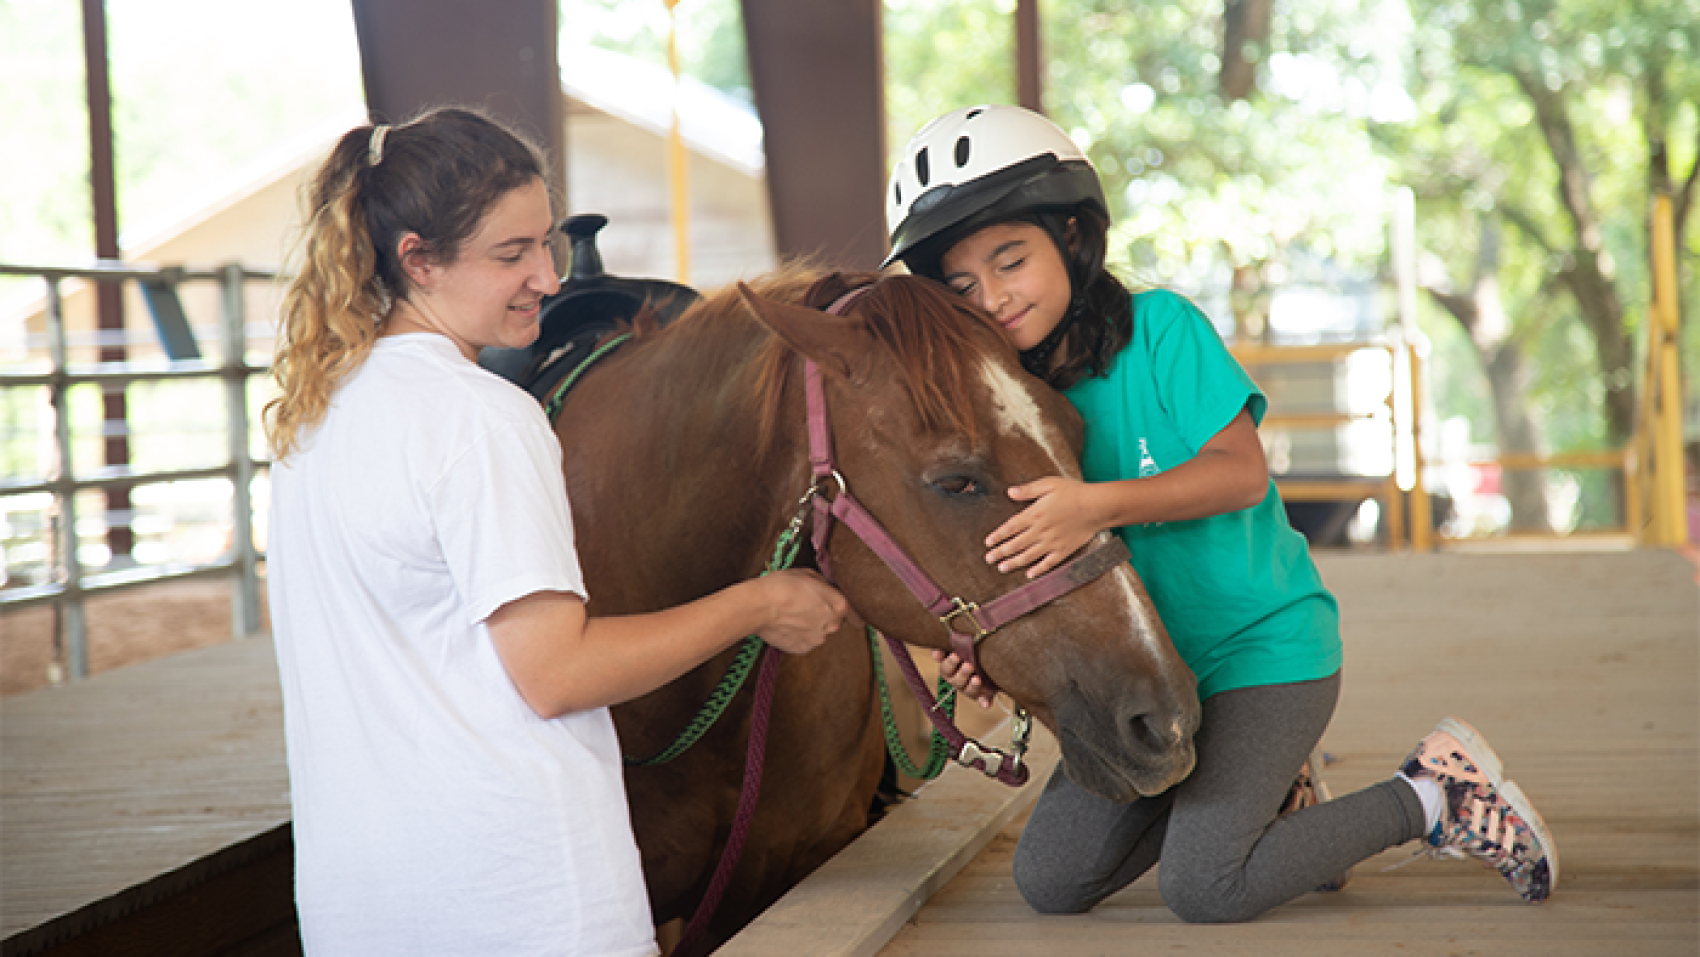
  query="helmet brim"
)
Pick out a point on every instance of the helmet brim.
point(950, 212)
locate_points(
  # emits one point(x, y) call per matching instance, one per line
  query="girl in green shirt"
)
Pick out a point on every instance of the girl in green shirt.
point(999, 204)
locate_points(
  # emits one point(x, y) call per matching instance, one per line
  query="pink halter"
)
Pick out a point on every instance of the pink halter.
point(967, 622)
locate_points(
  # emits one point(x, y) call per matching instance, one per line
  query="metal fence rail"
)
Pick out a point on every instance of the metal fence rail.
point(70, 583)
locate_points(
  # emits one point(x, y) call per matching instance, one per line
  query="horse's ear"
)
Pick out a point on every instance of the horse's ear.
point(837, 344)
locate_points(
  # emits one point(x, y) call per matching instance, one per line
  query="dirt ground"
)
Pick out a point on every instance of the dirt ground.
point(125, 627)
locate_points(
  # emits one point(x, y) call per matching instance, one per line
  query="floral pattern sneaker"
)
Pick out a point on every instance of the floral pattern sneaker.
point(1308, 789)
point(1486, 816)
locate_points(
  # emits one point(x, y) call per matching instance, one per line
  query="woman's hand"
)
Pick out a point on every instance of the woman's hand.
point(1043, 535)
point(802, 610)
point(562, 661)
point(960, 675)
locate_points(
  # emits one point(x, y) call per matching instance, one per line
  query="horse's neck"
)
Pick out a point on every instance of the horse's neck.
point(696, 425)
point(703, 378)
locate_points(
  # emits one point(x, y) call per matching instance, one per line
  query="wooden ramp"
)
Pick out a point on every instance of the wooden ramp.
point(1582, 669)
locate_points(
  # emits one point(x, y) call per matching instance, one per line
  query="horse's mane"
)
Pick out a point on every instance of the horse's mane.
point(933, 338)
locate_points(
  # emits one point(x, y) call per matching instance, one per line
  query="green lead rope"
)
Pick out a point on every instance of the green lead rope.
point(552, 405)
point(784, 554)
point(938, 753)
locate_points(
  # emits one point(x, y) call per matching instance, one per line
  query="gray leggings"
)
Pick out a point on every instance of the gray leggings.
point(1226, 857)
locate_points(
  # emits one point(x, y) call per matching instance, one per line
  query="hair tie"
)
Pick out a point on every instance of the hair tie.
point(375, 148)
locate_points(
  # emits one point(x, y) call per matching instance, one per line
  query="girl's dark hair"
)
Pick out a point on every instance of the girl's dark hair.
point(1102, 314)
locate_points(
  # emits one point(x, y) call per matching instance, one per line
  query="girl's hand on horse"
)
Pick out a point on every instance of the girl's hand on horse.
point(961, 676)
point(801, 610)
point(1062, 518)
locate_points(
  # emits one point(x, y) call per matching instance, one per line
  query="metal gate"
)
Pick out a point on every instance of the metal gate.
point(68, 582)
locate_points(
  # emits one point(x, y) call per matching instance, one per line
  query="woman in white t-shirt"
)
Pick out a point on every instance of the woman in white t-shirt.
point(453, 766)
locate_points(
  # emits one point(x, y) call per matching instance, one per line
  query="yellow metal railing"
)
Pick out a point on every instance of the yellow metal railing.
point(1653, 488)
point(1613, 460)
point(1651, 463)
point(1654, 509)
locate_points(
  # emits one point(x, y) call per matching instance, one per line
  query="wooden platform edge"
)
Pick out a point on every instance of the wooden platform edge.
point(186, 839)
point(89, 928)
point(856, 902)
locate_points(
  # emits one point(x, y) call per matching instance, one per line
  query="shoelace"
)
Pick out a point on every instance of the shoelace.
point(1485, 839)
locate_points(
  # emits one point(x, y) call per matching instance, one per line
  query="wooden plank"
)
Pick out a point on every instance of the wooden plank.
point(135, 785)
point(1584, 671)
point(855, 902)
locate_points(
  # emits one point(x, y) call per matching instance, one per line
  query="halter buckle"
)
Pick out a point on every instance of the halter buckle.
point(964, 609)
point(1020, 732)
point(971, 751)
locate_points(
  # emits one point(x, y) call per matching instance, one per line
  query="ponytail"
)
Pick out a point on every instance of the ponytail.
point(436, 178)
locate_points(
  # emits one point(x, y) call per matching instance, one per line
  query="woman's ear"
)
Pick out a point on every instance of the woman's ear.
point(416, 263)
point(1071, 235)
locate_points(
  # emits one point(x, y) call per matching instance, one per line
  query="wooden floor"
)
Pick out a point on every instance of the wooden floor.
point(1581, 668)
point(131, 801)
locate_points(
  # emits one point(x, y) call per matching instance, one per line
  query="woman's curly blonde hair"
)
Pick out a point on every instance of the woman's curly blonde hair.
point(436, 177)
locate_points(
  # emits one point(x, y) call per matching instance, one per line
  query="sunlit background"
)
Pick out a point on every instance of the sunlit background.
point(1272, 210)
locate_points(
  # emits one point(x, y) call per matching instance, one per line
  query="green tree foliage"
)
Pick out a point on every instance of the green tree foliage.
point(709, 35)
point(1206, 185)
point(1549, 122)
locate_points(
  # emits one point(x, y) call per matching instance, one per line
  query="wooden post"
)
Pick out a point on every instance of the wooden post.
point(109, 295)
point(1422, 517)
point(1029, 57)
point(816, 70)
point(1407, 367)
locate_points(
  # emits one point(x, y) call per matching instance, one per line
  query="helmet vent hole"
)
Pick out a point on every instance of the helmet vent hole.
point(963, 146)
point(897, 194)
point(922, 171)
point(973, 113)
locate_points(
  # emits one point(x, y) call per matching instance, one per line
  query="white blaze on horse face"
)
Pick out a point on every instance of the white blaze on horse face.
point(1018, 414)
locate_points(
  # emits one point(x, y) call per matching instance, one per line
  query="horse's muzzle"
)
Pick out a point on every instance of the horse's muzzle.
point(1133, 747)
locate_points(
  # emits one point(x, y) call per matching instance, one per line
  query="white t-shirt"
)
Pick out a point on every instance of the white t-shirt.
point(435, 812)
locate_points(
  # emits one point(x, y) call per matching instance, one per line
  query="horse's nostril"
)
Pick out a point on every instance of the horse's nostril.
point(1154, 732)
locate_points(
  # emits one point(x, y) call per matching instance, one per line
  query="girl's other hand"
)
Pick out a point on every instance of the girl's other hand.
point(960, 675)
point(1044, 534)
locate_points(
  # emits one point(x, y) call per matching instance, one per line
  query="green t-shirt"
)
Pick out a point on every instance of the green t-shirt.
point(1238, 592)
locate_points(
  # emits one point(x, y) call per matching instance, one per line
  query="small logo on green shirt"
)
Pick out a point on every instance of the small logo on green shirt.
point(1147, 464)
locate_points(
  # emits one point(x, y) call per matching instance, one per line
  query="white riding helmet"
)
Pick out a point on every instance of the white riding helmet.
point(980, 165)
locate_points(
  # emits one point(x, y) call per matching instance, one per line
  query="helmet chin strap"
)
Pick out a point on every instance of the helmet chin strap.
point(1037, 360)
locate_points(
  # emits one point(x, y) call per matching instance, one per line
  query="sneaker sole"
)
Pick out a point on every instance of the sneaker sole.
point(1481, 753)
point(1514, 796)
point(1321, 789)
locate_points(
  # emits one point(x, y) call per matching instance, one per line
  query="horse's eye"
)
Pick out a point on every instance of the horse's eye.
point(957, 485)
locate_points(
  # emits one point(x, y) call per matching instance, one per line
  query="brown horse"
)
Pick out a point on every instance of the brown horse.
point(686, 455)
